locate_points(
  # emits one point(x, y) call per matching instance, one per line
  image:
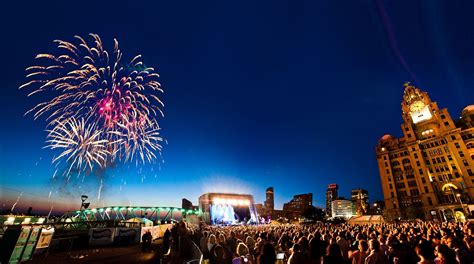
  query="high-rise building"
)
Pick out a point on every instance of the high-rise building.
point(331, 194)
point(360, 202)
point(186, 204)
point(429, 171)
point(341, 207)
point(269, 201)
point(298, 204)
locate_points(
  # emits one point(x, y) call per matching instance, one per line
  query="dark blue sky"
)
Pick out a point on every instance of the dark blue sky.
point(290, 94)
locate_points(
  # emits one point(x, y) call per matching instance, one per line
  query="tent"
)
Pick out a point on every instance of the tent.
point(366, 219)
point(140, 221)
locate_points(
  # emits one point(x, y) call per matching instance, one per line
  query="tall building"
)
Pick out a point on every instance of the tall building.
point(360, 202)
point(341, 207)
point(429, 171)
point(331, 194)
point(298, 205)
point(269, 201)
point(186, 204)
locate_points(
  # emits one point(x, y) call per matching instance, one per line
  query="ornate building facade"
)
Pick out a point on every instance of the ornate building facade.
point(360, 202)
point(428, 172)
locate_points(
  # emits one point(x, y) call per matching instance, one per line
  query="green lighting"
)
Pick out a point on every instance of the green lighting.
point(101, 209)
point(116, 208)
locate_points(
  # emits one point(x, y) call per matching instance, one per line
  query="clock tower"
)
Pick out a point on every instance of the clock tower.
point(428, 172)
point(422, 117)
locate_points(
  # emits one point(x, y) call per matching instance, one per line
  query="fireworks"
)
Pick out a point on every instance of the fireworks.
point(98, 109)
point(80, 142)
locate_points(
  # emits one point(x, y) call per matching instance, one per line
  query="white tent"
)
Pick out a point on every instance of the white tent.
point(366, 219)
point(141, 221)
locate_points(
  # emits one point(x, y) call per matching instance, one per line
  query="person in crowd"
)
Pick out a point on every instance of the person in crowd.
point(242, 255)
point(333, 255)
point(376, 256)
point(462, 255)
point(445, 255)
point(425, 252)
point(212, 242)
point(358, 256)
point(267, 255)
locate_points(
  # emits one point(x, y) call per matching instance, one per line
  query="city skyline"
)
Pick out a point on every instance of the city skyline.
point(294, 96)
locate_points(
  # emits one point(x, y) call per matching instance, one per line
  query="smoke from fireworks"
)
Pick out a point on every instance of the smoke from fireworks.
point(99, 110)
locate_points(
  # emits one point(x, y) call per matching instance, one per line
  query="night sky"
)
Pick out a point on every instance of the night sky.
point(290, 94)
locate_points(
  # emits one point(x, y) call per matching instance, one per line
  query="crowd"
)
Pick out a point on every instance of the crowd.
point(410, 242)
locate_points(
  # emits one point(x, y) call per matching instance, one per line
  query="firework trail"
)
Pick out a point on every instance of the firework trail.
point(391, 37)
point(50, 210)
point(100, 190)
point(100, 110)
point(17, 200)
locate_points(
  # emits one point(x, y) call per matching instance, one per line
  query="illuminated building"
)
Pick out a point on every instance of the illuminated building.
point(360, 202)
point(269, 202)
point(227, 208)
point(298, 205)
point(331, 194)
point(429, 171)
point(341, 208)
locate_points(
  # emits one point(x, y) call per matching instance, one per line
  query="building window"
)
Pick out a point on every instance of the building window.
point(391, 187)
point(453, 137)
point(443, 117)
point(420, 171)
point(423, 180)
point(426, 189)
point(446, 123)
point(430, 202)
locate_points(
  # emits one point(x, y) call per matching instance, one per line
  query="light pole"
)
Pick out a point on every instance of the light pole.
point(84, 205)
point(460, 201)
point(376, 208)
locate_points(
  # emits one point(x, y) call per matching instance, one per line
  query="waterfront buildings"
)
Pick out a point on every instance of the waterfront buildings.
point(428, 172)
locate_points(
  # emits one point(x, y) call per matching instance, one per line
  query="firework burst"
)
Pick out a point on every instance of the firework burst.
point(80, 144)
point(96, 98)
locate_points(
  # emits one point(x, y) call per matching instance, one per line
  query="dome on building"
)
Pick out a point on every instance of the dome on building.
point(468, 109)
point(386, 137)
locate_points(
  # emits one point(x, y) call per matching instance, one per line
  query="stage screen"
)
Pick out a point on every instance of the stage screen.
point(229, 214)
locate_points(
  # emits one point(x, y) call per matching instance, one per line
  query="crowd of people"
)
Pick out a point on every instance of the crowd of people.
point(410, 242)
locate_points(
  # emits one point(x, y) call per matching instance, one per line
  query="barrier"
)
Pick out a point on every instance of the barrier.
point(125, 235)
point(101, 236)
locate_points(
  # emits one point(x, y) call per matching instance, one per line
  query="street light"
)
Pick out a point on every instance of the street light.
point(460, 201)
point(84, 205)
